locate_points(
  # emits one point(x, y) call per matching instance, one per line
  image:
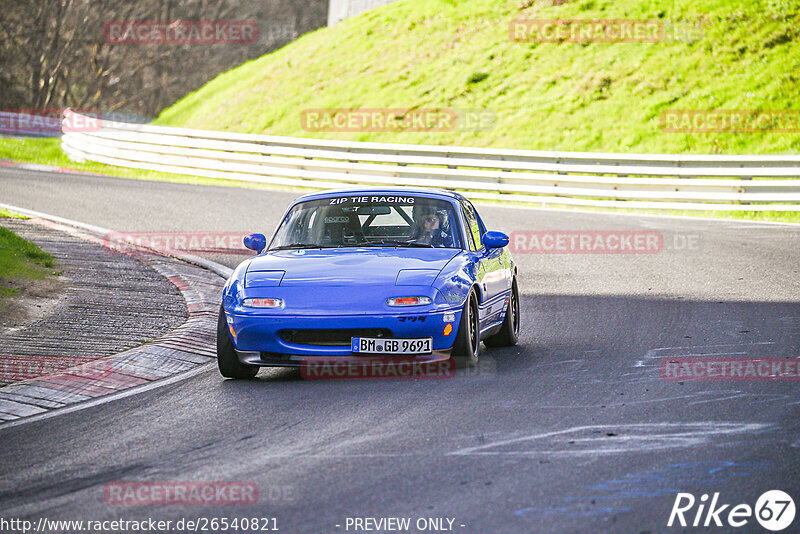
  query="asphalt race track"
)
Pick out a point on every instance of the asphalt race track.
point(574, 430)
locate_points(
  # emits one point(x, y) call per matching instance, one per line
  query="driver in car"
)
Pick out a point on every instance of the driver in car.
point(429, 229)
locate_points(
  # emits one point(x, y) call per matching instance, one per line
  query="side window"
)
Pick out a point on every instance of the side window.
point(470, 241)
point(474, 227)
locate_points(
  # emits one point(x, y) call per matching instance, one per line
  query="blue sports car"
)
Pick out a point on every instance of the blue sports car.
point(383, 275)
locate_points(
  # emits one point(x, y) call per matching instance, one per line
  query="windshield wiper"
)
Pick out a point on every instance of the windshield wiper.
point(301, 245)
point(396, 243)
point(312, 245)
point(390, 242)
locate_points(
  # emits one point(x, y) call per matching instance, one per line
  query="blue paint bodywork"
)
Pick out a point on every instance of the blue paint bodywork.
point(348, 288)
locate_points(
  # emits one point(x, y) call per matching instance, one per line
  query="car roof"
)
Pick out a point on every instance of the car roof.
point(423, 191)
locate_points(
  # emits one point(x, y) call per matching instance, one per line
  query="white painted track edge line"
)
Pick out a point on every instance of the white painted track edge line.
point(82, 405)
point(127, 392)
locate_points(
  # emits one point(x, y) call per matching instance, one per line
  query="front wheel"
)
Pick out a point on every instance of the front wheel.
point(228, 362)
point(509, 331)
point(467, 347)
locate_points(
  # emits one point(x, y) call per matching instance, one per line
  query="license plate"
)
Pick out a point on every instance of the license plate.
point(372, 345)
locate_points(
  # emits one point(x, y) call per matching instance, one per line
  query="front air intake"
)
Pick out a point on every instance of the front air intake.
point(330, 337)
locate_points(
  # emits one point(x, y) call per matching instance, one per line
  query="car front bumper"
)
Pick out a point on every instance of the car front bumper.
point(262, 340)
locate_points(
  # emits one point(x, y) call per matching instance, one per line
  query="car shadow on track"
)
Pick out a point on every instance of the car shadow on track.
point(593, 339)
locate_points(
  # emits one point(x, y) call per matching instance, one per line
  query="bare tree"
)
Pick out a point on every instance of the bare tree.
point(53, 53)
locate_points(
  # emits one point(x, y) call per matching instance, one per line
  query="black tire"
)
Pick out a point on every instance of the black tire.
point(509, 331)
point(228, 362)
point(467, 347)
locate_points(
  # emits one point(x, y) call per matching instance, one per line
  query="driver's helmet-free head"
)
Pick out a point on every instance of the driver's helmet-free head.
point(423, 214)
point(427, 212)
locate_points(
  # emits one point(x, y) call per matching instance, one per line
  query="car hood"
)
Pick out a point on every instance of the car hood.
point(348, 266)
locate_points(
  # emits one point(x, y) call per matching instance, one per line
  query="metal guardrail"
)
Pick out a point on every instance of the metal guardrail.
point(686, 182)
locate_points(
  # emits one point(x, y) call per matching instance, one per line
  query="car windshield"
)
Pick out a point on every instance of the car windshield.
point(369, 221)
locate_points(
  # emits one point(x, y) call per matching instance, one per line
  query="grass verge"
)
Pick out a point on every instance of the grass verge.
point(20, 260)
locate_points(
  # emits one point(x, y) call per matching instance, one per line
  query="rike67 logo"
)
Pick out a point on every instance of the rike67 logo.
point(774, 510)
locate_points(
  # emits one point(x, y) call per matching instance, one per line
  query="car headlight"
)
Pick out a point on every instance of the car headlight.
point(262, 303)
point(408, 301)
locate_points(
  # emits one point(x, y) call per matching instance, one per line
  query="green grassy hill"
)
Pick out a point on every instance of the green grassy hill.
point(565, 96)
